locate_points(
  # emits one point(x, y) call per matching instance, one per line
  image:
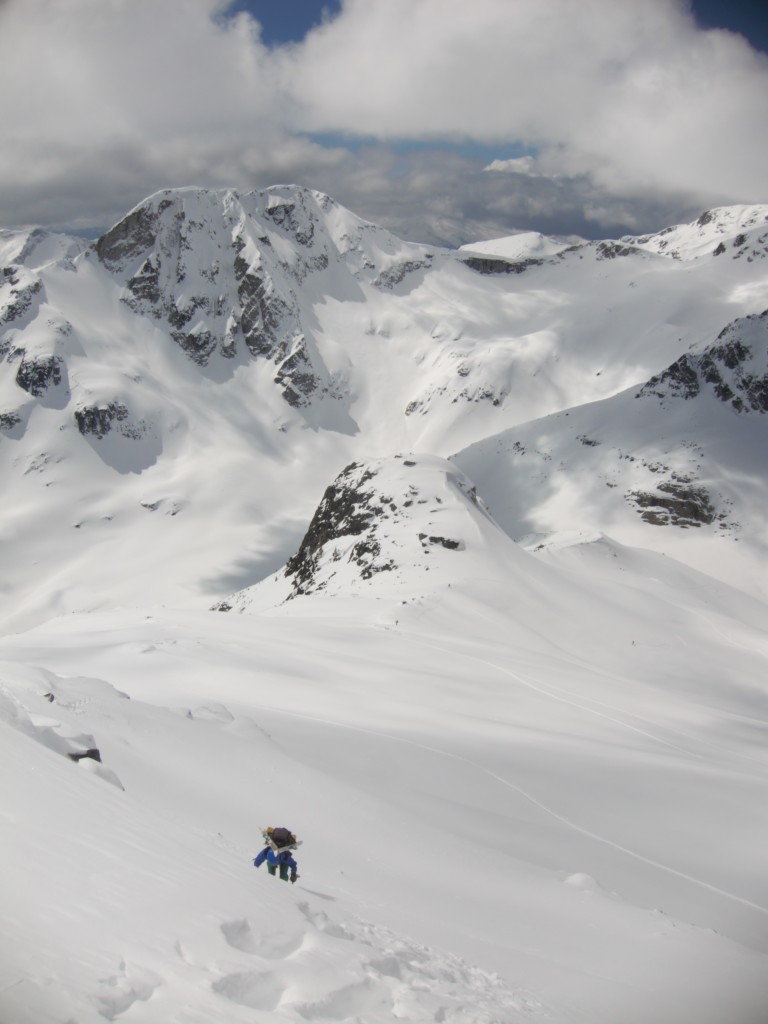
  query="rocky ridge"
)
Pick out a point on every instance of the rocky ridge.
point(384, 523)
point(738, 231)
point(735, 367)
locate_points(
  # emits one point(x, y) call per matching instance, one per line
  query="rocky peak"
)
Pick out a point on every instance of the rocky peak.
point(385, 523)
point(741, 231)
point(734, 368)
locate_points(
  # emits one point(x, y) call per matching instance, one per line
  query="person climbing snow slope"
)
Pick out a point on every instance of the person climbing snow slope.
point(277, 853)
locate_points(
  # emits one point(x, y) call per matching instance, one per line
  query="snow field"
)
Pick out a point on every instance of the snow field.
point(616, 807)
point(119, 901)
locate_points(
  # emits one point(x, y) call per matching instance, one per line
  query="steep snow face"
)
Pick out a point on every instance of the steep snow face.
point(221, 271)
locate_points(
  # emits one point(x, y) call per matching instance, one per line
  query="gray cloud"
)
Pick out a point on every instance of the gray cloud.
point(635, 116)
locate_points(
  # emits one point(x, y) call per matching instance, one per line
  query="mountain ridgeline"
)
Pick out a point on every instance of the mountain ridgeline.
point(252, 344)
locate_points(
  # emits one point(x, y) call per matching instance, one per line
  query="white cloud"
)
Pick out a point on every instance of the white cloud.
point(631, 93)
point(630, 109)
point(526, 165)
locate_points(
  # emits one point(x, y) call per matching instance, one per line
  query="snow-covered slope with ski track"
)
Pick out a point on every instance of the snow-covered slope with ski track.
point(239, 562)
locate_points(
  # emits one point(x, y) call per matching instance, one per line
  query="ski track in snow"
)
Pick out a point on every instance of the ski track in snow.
point(568, 822)
point(568, 700)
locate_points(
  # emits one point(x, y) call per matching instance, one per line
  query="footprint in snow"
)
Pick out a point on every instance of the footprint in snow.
point(273, 944)
point(119, 992)
point(354, 1000)
point(320, 920)
point(258, 990)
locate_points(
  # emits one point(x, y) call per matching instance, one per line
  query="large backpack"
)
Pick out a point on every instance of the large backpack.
point(280, 838)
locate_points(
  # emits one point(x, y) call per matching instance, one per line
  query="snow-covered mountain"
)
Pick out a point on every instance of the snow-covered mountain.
point(250, 345)
point(452, 561)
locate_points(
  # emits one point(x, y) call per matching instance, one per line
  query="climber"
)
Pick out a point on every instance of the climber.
point(277, 853)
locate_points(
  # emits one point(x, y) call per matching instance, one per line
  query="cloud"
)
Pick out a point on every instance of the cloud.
point(631, 114)
point(633, 94)
point(527, 165)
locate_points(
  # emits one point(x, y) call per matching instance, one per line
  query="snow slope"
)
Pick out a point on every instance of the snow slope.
point(595, 713)
point(686, 450)
point(452, 562)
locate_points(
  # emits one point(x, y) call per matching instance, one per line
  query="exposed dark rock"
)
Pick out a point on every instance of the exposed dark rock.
point(477, 394)
point(296, 376)
point(610, 250)
point(346, 510)
point(495, 265)
point(679, 380)
point(134, 235)
point(37, 375)
point(198, 345)
point(719, 250)
point(394, 275)
point(678, 504)
point(260, 313)
point(179, 318)
point(145, 284)
point(452, 545)
point(285, 215)
point(365, 553)
point(92, 753)
point(21, 302)
point(98, 420)
point(728, 366)
point(8, 420)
